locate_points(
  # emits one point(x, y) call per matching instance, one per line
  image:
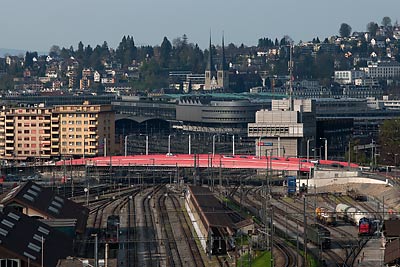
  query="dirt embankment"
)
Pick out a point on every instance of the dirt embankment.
point(390, 195)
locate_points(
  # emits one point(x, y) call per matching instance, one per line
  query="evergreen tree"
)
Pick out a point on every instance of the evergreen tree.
point(165, 52)
point(345, 30)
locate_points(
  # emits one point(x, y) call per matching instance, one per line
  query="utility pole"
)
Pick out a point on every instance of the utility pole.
point(305, 230)
point(126, 145)
point(349, 153)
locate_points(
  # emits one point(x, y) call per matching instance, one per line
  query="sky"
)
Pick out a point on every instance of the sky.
point(37, 25)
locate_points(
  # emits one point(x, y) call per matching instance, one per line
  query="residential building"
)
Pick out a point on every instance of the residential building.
point(383, 69)
point(25, 132)
point(348, 76)
point(82, 130)
point(36, 131)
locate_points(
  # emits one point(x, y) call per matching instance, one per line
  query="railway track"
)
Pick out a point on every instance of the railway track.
point(284, 254)
point(289, 256)
point(187, 234)
point(173, 255)
point(349, 244)
point(146, 240)
point(108, 207)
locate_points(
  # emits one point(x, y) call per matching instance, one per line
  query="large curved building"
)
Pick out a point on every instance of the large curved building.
point(206, 114)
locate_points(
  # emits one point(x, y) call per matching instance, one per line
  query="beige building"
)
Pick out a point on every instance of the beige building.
point(67, 130)
point(81, 130)
point(25, 132)
point(284, 131)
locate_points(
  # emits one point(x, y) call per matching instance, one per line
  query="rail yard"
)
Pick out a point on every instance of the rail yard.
point(154, 216)
point(150, 226)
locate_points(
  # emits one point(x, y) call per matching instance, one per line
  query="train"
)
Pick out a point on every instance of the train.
point(365, 222)
point(112, 231)
point(367, 226)
point(357, 196)
point(325, 217)
point(319, 236)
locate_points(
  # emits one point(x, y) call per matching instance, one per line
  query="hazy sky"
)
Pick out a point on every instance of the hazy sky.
point(39, 24)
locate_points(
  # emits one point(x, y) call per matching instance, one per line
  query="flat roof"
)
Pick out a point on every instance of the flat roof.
point(216, 214)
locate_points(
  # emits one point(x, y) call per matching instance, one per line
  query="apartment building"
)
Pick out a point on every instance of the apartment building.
point(25, 132)
point(383, 69)
point(36, 131)
point(83, 130)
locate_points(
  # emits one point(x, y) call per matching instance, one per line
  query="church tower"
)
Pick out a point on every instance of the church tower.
point(223, 70)
point(216, 78)
point(211, 82)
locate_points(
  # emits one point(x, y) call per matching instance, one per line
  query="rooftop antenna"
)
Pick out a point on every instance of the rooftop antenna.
point(290, 78)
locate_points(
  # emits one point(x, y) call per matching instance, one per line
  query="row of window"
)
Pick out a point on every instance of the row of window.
point(77, 122)
point(72, 143)
point(79, 115)
point(226, 111)
point(254, 130)
point(225, 119)
point(27, 124)
point(30, 132)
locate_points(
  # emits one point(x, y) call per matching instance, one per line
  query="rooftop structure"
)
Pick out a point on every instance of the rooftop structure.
point(40, 202)
point(24, 240)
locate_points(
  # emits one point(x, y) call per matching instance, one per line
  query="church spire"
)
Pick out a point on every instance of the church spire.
point(210, 63)
point(224, 65)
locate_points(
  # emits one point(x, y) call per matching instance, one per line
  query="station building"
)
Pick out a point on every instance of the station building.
point(285, 129)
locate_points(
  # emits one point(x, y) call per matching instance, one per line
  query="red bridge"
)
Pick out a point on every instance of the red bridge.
point(206, 160)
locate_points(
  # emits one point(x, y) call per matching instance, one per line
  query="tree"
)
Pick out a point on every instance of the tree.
point(389, 141)
point(165, 52)
point(386, 22)
point(372, 27)
point(345, 30)
point(55, 51)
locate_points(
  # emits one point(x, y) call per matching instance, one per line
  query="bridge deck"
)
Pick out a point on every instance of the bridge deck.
point(203, 161)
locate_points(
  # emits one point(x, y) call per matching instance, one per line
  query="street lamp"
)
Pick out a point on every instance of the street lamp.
point(147, 145)
point(279, 144)
point(308, 147)
point(372, 153)
point(95, 250)
point(126, 145)
point(233, 145)
point(105, 146)
point(190, 148)
point(259, 146)
point(213, 145)
point(86, 190)
point(169, 145)
point(326, 147)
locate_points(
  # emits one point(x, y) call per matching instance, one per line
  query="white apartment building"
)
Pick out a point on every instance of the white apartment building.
point(383, 69)
point(348, 76)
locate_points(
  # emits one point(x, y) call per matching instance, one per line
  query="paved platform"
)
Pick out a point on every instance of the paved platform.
point(372, 255)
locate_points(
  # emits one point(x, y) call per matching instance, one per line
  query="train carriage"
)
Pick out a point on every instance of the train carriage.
point(319, 235)
point(325, 217)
